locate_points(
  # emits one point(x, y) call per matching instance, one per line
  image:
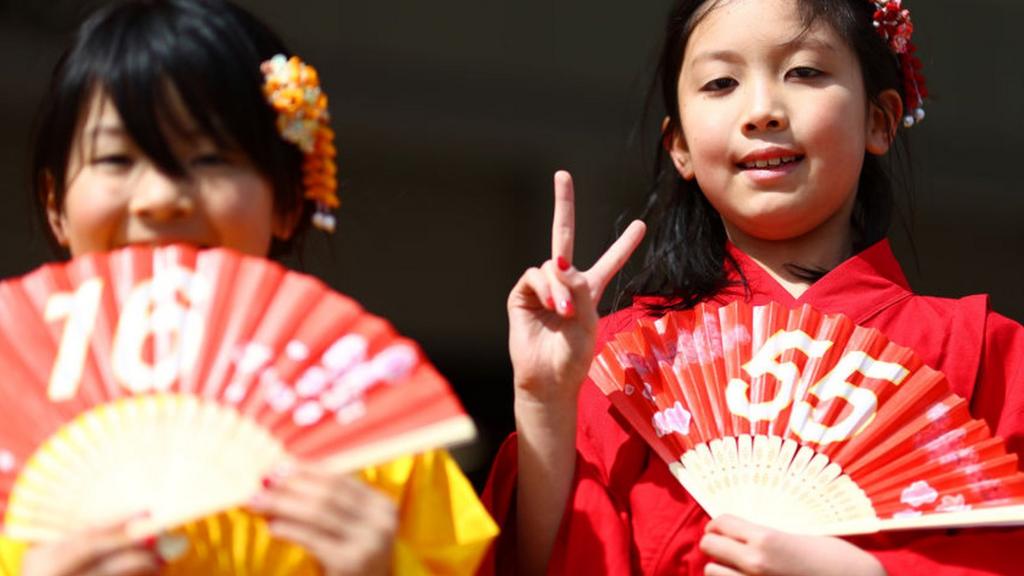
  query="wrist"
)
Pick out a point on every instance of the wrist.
point(559, 388)
point(547, 414)
point(545, 396)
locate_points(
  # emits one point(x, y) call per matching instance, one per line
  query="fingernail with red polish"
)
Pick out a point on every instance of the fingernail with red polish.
point(268, 481)
point(563, 264)
point(550, 302)
point(567, 307)
point(150, 544)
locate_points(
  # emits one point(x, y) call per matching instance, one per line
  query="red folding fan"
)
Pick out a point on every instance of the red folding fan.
point(173, 379)
point(806, 422)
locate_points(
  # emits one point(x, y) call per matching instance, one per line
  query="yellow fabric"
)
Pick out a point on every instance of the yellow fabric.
point(443, 529)
point(10, 556)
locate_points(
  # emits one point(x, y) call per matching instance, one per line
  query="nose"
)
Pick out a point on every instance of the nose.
point(765, 112)
point(159, 196)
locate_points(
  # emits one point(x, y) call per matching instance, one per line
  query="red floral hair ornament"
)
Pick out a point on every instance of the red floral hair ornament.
point(292, 88)
point(892, 21)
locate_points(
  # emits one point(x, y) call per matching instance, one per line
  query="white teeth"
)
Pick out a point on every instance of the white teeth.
point(772, 162)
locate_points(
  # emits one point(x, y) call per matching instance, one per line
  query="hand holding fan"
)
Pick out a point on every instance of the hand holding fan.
point(172, 380)
point(806, 422)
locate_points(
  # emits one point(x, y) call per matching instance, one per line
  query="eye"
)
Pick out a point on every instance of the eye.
point(804, 72)
point(114, 160)
point(209, 159)
point(719, 85)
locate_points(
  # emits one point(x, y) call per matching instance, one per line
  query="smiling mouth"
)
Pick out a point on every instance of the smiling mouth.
point(770, 163)
point(161, 242)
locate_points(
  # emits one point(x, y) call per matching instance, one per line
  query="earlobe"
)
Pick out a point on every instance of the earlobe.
point(674, 143)
point(883, 121)
point(54, 213)
point(284, 224)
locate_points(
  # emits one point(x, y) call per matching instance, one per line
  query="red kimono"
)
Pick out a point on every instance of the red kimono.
point(628, 514)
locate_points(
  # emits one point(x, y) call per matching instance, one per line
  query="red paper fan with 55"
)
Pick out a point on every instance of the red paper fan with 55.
point(806, 422)
point(173, 379)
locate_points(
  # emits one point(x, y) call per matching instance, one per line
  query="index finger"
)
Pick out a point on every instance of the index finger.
point(563, 225)
point(734, 527)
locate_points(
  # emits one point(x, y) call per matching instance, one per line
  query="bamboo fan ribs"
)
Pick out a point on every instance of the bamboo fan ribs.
point(173, 379)
point(806, 422)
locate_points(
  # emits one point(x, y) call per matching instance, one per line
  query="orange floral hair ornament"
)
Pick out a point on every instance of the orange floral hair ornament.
point(292, 88)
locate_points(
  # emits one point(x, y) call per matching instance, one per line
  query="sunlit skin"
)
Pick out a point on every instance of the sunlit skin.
point(116, 196)
point(748, 92)
point(777, 92)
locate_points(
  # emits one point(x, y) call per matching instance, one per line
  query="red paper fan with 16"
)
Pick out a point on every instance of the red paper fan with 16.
point(173, 379)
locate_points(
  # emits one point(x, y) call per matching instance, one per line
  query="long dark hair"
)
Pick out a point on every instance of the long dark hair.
point(686, 260)
point(210, 52)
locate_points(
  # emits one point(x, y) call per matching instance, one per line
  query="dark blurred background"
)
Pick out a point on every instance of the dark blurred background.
point(452, 116)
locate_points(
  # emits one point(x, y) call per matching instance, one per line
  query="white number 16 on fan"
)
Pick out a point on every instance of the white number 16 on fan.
point(165, 307)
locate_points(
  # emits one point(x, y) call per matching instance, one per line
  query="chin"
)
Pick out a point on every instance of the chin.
point(776, 228)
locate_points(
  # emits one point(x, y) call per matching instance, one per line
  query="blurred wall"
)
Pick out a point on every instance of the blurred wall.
point(452, 116)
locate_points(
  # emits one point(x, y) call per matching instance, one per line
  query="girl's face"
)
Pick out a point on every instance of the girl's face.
point(774, 120)
point(116, 196)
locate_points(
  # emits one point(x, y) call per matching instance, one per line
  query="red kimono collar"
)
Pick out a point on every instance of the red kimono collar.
point(860, 287)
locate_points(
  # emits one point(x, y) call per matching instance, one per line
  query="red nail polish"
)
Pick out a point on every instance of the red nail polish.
point(550, 302)
point(149, 543)
point(268, 481)
point(563, 264)
point(567, 307)
point(160, 560)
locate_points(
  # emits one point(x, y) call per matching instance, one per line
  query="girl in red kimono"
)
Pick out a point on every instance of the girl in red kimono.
point(777, 190)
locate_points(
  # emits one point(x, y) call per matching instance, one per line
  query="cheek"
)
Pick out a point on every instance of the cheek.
point(243, 214)
point(837, 126)
point(90, 213)
point(708, 129)
point(710, 156)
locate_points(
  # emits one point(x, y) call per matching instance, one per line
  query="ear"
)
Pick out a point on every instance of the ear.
point(54, 212)
point(883, 121)
point(284, 224)
point(675, 144)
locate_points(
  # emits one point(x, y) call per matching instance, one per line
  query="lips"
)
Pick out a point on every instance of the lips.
point(769, 158)
point(771, 163)
point(161, 242)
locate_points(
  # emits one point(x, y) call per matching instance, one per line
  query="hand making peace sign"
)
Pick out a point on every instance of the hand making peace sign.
point(552, 310)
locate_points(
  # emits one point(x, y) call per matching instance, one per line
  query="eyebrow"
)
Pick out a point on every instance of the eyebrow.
point(107, 130)
point(800, 42)
point(118, 131)
point(805, 41)
point(718, 55)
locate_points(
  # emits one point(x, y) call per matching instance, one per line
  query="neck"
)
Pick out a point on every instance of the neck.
point(824, 247)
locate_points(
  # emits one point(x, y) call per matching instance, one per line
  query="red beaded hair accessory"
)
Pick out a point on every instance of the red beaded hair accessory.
point(293, 89)
point(892, 21)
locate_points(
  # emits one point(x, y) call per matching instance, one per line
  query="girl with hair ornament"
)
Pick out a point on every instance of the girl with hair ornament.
point(171, 121)
point(773, 186)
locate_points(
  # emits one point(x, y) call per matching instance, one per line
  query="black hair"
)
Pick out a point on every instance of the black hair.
point(686, 261)
point(210, 52)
